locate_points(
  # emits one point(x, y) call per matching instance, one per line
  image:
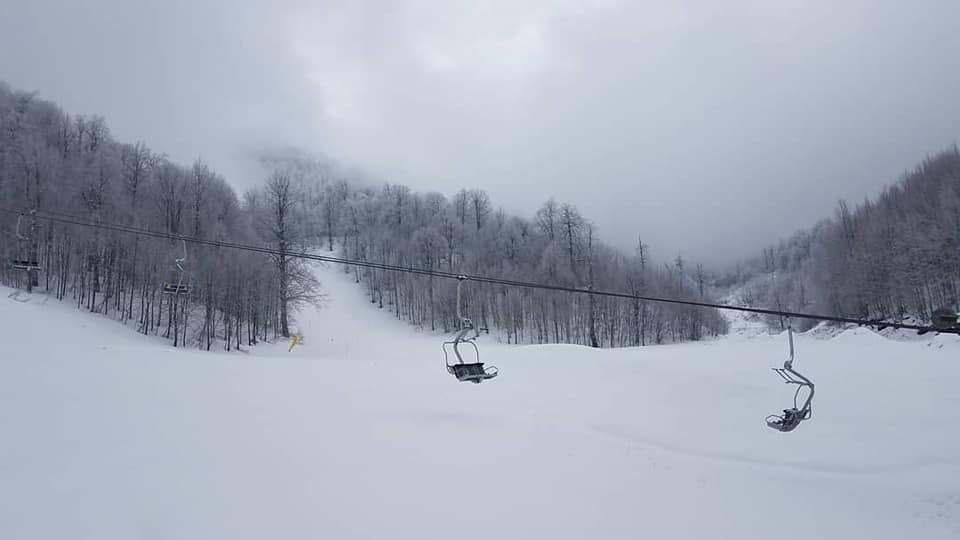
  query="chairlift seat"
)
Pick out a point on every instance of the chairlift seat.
point(473, 372)
point(788, 422)
point(175, 288)
point(21, 264)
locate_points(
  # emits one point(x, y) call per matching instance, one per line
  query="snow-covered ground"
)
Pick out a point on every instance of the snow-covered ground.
point(361, 433)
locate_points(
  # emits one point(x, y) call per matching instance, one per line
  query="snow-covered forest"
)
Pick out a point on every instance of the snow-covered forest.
point(518, 269)
point(55, 162)
point(894, 257)
point(63, 164)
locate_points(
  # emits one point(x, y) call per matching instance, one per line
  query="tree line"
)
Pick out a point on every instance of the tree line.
point(894, 257)
point(467, 233)
point(55, 162)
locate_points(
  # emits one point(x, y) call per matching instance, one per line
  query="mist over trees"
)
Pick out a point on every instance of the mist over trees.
point(895, 257)
point(70, 165)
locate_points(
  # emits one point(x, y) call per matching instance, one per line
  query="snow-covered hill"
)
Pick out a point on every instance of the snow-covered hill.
point(360, 433)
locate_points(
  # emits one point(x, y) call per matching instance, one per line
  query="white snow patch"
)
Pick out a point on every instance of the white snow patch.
point(361, 433)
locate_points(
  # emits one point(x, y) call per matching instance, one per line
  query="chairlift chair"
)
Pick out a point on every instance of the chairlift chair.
point(792, 417)
point(26, 258)
point(944, 319)
point(464, 371)
point(175, 283)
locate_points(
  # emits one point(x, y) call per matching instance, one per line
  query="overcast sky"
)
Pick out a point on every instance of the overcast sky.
point(709, 128)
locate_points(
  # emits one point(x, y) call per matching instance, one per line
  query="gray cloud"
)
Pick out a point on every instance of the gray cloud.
point(708, 128)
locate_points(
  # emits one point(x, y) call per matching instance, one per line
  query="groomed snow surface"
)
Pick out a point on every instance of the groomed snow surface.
point(361, 433)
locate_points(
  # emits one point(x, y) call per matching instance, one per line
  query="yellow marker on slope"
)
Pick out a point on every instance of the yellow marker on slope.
point(294, 342)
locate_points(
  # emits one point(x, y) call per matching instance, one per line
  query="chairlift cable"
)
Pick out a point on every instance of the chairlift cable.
point(59, 217)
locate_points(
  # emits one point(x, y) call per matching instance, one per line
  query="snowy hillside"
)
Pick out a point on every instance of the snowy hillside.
point(361, 433)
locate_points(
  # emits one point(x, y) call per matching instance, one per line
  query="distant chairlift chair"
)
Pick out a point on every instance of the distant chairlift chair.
point(792, 417)
point(26, 258)
point(175, 283)
point(945, 319)
point(465, 371)
point(25, 264)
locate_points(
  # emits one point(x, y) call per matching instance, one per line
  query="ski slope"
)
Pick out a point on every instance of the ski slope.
point(361, 433)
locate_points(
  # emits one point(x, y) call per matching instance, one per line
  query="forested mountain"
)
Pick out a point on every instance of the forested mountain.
point(57, 163)
point(892, 258)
